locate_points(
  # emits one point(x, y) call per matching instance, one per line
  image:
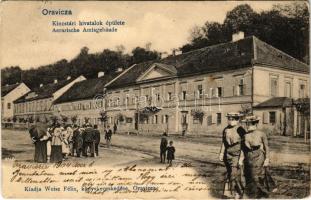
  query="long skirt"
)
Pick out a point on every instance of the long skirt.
point(48, 147)
point(56, 154)
point(258, 179)
point(65, 148)
point(40, 152)
point(234, 184)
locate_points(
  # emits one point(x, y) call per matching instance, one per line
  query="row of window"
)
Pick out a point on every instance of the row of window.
point(288, 88)
point(199, 94)
point(43, 105)
point(82, 106)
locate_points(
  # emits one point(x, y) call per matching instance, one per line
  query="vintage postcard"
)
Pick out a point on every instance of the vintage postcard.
point(155, 100)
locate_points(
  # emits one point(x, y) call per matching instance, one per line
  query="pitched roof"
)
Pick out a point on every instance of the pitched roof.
point(86, 89)
point(8, 88)
point(226, 56)
point(280, 102)
point(46, 91)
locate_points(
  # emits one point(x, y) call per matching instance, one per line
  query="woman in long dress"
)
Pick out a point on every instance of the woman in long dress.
point(230, 154)
point(39, 137)
point(65, 143)
point(256, 152)
point(56, 145)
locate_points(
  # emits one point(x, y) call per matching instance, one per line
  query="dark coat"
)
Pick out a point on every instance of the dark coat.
point(96, 136)
point(108, 134)
point(77, 139)
point(170, 153)
point(163, 144)
point(89, 135)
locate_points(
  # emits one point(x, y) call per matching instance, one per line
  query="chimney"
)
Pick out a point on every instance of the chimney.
point(41, 85)
point(100, 74)
point(237, 36)
point(164, 54)
point(120, 69)
point(68, 77)
point(55, 81)
point(176, 52)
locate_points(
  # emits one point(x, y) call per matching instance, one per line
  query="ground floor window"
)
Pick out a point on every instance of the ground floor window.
point(218, 115)
point(272, 117)
point(209, 120)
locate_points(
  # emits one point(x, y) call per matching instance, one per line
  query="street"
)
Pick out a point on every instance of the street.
point(291, 172)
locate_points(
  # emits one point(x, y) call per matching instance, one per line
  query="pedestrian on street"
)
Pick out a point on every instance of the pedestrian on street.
point(65, 143)
point(115, 127)
point(259, 182)
point(39, 137)
point(230, 154)
point(163, 146)
point(88, 140)
point(97, 138)
point(77, 140)
point(108, 135)
point(170, 153)
point(70, 141)
point(56, 144)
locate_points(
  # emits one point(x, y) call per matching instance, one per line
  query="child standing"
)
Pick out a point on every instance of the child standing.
point(170, 153)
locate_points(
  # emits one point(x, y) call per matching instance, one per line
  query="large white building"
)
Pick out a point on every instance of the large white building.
point(195, 90)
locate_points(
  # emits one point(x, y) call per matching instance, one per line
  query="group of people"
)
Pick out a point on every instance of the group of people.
point(55, 143)
point(245, 153)
point(166, 151)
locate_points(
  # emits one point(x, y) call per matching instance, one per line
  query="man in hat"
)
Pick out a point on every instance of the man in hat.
point(230, 154)
point(88, 140)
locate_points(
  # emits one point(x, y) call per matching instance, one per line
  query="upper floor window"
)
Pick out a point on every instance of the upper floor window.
point(241, 87)
point(158, 97)
point(9, 106)
point(274, 86)
point(169, 96)
point(288, 89)
point(184, 95)
point(118, 101)
point(219, 92)
point(200, 91)
point(302, 91)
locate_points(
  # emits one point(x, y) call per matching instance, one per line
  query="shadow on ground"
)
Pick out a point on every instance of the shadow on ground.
point(9, 153)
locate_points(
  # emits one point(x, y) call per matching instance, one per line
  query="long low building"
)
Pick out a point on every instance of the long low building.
point(85, 100)
point(194, 91)
point(39, 101)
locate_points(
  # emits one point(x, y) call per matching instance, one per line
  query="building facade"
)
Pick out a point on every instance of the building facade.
point(39, 101)
point(84, 101)
point(9, 94)
point(194, 91)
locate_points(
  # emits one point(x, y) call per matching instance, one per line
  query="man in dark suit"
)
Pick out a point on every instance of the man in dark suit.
point(108, 134)
point(89, 136)
point(163, 146)
point(96, 138)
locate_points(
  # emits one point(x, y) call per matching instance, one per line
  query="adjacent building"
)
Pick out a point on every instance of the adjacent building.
point(85, 100)
point(9, 93)
point(194, 91)
point(39, 101)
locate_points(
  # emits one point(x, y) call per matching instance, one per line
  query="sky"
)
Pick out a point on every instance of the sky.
point(27, 39)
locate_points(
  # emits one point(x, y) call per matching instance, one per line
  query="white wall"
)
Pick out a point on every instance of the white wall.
point(12, 96)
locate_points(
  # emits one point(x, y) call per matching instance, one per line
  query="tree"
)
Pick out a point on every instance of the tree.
point(241, 18)
point(285, 27)
point(141, 55)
